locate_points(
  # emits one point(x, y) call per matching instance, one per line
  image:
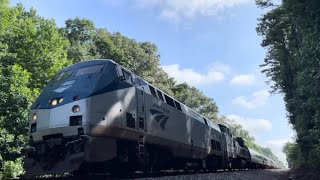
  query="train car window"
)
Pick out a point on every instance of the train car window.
point(222, 128)
point(89, 70)
point(160, 95)
point(169, 101)
point(127, 76)
point(153, 91)
point(205, 120)
point(119, 71)
point(178, 105)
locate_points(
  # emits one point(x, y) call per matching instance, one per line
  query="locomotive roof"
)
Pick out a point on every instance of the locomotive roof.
point(88, 63)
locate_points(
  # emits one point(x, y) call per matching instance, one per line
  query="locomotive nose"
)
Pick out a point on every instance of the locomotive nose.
point(56, 119)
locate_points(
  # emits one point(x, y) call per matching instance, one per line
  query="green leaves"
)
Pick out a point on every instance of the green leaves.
point(196, 100)
point(12, 169)
point(32, 50)
point(291, 35)
point(35, 44)
point(293, 153)
point(79, 30)
point(15, 99)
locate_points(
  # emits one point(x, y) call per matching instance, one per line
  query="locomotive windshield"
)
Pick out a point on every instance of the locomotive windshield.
point(62, 76)
point(89, 70)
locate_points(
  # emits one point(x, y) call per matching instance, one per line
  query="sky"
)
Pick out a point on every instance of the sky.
point(209, 44)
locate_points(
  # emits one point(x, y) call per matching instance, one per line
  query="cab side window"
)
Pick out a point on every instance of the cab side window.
point(169, 101)
point(178, 105)
point(160, 95)
point(205, 121)
point(152, 90)
point(127, 76)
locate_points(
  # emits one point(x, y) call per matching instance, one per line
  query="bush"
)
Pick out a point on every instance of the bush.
point(294, 155)
point(12, 169)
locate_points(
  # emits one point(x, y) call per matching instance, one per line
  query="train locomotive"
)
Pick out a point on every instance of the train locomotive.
point(96, 116)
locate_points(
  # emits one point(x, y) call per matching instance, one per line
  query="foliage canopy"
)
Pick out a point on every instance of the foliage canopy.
point(291, 35)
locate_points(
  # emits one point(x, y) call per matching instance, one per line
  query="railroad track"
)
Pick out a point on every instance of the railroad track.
point(192, 174)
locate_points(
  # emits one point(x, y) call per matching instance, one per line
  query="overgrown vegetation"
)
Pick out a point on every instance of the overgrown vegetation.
point(291, 35)
point(33, 49)
point(292, 150)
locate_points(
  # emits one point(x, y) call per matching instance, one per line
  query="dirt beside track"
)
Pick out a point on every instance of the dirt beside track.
point(304, 173)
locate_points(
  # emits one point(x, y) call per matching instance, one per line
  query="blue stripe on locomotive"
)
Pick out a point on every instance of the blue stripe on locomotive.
point(84, 86)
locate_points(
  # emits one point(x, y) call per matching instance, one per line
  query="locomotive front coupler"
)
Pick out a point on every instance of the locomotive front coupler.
point(58, 152)
point(75, 146)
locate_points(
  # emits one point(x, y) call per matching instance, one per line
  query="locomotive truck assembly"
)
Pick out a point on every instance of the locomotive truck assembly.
point(96, 116)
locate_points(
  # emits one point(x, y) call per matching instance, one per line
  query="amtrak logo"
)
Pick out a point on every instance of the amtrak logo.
point(160, 118)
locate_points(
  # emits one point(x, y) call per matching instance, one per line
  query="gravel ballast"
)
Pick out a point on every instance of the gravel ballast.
point(236, 175)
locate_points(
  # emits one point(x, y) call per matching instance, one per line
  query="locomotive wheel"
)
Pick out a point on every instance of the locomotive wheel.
point(151, 160)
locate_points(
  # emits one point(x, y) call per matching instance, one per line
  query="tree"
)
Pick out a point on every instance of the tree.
point(35, 44)
point(79, 32)
point(293, 154)
point(15, 99)
point(290, 33)
point(267, 152)
point(196, 100)
point(32, 50)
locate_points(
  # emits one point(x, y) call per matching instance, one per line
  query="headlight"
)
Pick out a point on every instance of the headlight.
point(34, 116)
point(60, 100)
point(76, 108)
point(54, 102)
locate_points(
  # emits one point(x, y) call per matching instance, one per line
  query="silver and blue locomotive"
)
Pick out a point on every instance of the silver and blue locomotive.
point(98, 116)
